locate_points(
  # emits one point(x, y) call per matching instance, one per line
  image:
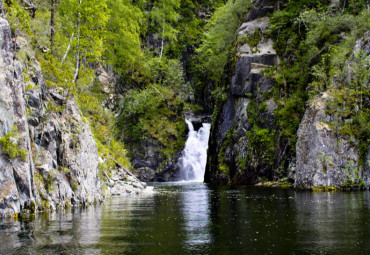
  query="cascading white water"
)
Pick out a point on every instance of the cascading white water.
point(194, 158)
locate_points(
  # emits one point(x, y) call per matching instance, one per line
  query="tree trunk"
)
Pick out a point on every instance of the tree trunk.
point(160, 56)
point(78, 46)
point(30, 6)
point(52, 25)
point(68, 47)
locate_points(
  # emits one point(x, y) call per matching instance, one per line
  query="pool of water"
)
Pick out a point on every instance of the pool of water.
point(194, 218)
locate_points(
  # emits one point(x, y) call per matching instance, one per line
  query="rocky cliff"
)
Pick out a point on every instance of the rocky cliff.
point(48, 158)
point(17, 189)
point(325, 157)
point(243, 133)
point(247, 146)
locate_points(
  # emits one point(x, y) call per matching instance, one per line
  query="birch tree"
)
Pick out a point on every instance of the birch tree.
point(89, 19)
point(164, 14)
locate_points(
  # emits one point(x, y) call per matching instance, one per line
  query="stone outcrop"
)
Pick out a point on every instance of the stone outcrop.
point(324, 156)
point(233, 157)
point(151, 166)
point(123, 183)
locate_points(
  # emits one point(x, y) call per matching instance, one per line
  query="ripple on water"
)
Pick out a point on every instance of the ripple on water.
point(193, 218)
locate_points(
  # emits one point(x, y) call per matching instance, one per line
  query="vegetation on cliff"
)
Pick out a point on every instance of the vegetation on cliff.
point(162, 56)
point(316, 44)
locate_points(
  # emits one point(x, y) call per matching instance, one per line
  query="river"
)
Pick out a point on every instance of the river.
point(194, 218)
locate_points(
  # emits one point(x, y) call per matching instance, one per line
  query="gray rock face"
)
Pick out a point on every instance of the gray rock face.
point(229, 143)
point(324, 157)
point(16, 175)
point(66, 151)
point(260, 8)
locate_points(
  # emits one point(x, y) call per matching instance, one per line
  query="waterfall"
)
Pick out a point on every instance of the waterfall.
point(194, 157)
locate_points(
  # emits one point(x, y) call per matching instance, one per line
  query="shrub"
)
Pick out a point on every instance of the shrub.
point(10, 145)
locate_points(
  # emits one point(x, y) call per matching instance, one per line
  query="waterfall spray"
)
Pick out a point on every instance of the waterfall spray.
point(194, 158)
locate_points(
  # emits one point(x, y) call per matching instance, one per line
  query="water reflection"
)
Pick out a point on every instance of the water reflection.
point(251, 221)
point(144, 225)
point(197, 219)
point(195, 208)
point(333, 222)
point(55, 233)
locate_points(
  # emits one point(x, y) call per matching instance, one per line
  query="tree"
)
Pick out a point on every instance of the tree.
point(215, 50)
point(123, 35)
point(52, 23)
point(87, 20)
point(164, 13)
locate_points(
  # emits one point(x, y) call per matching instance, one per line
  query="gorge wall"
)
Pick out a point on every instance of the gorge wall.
point(247, 146)
point(324, 157)
point(48, 159)
point(244, 128)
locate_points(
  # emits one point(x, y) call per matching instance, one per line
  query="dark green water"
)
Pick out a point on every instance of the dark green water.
point(196, 219)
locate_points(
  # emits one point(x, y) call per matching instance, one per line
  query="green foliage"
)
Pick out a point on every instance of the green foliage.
point(353, 178)
point(315, 43)
point(17, 16)
point(88, 20)
point(220, 98)
point(220, 34)
point(164, 14)
point(221, 157)
point(169, 73)
point(57, 75)
point(122, 37)
point(286, 30)
point(154, 112)
point(157, 111)
point(261, 140)
point(10, 145)
point(288, 116)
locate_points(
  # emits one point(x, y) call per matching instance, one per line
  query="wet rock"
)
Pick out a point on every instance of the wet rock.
point(148, 159)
